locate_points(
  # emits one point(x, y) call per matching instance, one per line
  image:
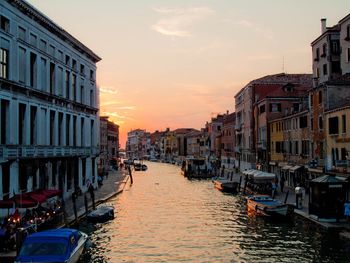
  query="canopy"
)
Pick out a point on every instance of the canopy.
point(29, 199)
point(328, 179)
point(259, 175)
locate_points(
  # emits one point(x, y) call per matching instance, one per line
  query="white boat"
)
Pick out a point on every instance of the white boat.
point(57, 245)
point(266, 206)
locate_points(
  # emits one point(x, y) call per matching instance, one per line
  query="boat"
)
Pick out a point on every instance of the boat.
point(140, 167)
point(226, 186)
point(101, 214)
point(57, 245)
point(265, 205)
point(195, 168)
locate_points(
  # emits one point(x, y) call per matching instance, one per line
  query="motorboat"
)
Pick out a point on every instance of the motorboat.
point(140, 167)
point(101, 214)
point(57, 245)
point(266, 206)
point(225, 185)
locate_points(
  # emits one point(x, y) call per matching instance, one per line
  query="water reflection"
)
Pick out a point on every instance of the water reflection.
point(164, 217)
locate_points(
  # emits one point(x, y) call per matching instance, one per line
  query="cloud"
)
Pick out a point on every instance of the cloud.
point(109, 90)
point(180, 20)
point(264, 32)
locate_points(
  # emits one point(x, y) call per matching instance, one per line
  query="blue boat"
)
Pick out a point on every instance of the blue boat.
point(57, 245)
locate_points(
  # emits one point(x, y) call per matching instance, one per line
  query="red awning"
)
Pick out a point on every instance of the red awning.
point(38, 197)
point(50, 192)
point(24, 201)
point(7, 203)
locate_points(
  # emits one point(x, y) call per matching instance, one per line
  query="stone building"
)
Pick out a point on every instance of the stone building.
point(48, 104)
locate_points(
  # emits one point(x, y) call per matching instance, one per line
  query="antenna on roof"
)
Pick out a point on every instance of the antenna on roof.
point(283, 64)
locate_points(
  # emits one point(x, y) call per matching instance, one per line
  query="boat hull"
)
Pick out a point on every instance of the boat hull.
point(101, 214)
point(266, 206)
point(226, 186)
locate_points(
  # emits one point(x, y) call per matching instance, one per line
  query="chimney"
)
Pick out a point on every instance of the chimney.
point(323, 25)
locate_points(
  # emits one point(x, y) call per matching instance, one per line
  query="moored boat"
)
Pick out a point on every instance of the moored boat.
point(266, 206)
point(101, 214)
point(57, 245)
point(226, 185)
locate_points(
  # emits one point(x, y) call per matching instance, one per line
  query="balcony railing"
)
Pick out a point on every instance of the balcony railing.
point(8, 152)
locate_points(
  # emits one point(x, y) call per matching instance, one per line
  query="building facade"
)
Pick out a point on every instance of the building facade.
point(48, 103)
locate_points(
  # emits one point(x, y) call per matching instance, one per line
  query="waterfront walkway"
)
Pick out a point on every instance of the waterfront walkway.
point(112, 185)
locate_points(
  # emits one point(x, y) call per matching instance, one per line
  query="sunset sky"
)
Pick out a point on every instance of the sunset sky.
point(178, 63)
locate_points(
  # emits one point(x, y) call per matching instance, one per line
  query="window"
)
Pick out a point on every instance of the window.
point(52, 127)
point(60, 128)
point(275, 107)
point(82, 137)
point(343, 154)
point(60, 81)
point(67, 130)
point(335, 46)
point(33, 70)
point(42, 45)
point(311, 100)
point(320, 122)
point(33, 125)
point(21, 33)
point(333, 125)
point(43, 74)
point(74, 130)
point(67, 60)
point(21, 123)
point(92, 75)
point(325, 69)
point(320, 97)
point(324, 50)
point(74, 64)
point(305, 147)
point(312, 124)
point(82, 69)
point(32, 39)
point(74, 87)
point(52, 78)
point(5, 124)
point(22, 65)
point(82, 95)
point(262, 109)
point(303, 122)
point(348, 32)
point(317, 56)
point(296, 147)
point(347, 58)
point(67, 81)
point(343, 123)
point(4, 63)
point(4, 24)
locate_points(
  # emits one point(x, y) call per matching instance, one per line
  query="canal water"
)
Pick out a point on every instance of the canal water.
point(164, 217)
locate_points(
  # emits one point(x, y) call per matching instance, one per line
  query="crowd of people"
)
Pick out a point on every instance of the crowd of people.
point(26, 222)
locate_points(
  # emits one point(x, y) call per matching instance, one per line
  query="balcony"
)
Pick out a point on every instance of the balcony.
point(10, 152)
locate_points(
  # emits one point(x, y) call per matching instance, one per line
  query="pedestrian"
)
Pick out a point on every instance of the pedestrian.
point(282, 183)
